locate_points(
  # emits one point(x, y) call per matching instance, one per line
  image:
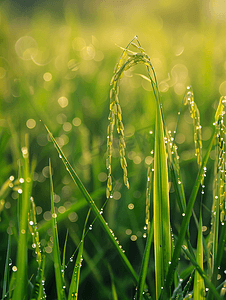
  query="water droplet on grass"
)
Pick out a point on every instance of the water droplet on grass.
point(14, 268)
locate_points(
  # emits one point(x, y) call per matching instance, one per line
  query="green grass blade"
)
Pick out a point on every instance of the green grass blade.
point(73, 290)
point(208, 283)
point(114, 293)
point(38, 291)
point(199, 287)
point(144, 266)
point(64, 255)
point(162, 236)
point(96, 211)
point(56, 250)
point(185, 222)
point(6, 272)
point(21, 277)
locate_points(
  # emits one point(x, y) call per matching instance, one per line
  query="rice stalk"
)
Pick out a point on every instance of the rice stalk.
point(188, 212)
point(194, 113)
point(162, 235)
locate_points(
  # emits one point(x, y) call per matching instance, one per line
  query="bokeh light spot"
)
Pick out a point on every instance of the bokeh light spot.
point(47, 216)
point(180, 138)
point(129, 130)
point(102, 176)
point(222, 88)
point(63, 102)
point(67, 126)
point(131, 206)
point(133, 237)
point(116, 195)
point(31, 123)
point(38, 210)
point(148, 160)
point(61, 118)
point(137, 159)
point(76, 121)
point(47, 76)
point(61, 209)
point(73, 217)
point(26, 47)
point(128, 231)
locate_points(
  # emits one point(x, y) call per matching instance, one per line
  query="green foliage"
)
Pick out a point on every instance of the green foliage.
point(168, 226)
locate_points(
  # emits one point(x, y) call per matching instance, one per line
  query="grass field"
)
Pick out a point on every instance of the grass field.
point(112, 178)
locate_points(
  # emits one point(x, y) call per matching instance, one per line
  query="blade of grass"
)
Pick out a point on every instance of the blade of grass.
point(6, 272)
point(38, 293)
point(199, 287)
point(92, 204)
point(162, 235)
point(208, 283)
point(64, 255)
point(185, 222)
point(56, 250)
point(114, 293)
point(144, 266)
point(21, 277)
point(73, 290)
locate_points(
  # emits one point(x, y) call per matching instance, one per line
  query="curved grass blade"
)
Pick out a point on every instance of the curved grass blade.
point(56, 250)
point(64, 255)
point(73, 290)
point(6, 272)
point(92, 204)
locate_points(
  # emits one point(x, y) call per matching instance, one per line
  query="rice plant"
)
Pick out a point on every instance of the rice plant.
point(181, 270)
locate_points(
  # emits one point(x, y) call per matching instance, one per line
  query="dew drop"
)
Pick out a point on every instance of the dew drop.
point(14, 268)
point(101, 211)
point(31, 223)
point(71, 259)
point(183, 214)
point(90, 227)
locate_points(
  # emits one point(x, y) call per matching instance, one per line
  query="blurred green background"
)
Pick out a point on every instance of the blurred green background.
point(56, 63)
